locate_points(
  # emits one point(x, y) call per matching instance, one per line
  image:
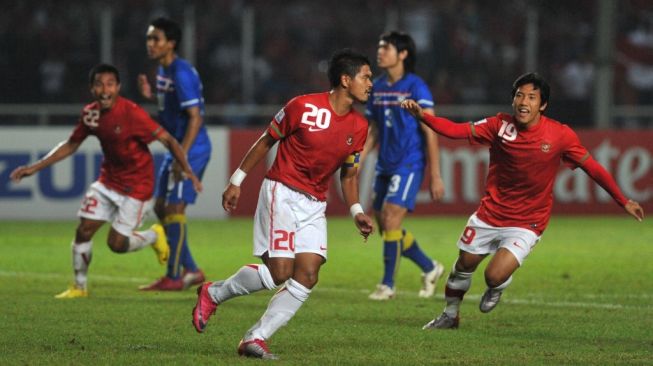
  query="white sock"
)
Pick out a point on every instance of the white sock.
point(503, 286)
point(457, 285)
point(248, 279)
point(82, 254)
point(282, 307)
point(140, 239)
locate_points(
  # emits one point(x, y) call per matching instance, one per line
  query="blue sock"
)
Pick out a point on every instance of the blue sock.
point(175, 226)
point(187, 261)
point(391, 256)
point(411, 250)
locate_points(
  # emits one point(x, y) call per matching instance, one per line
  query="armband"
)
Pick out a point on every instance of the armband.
point(355, 209)
point(238, 177)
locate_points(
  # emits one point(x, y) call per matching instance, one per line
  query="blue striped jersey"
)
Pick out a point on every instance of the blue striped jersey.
point(401, 140)
point(179, 87)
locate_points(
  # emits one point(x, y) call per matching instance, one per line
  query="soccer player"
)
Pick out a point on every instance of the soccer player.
point(122, 194)
point(526, 149)
point(317, 134)
point(181, 111)
point(406, 147)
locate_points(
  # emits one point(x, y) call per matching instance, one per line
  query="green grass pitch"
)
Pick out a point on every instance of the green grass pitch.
point(584, 296)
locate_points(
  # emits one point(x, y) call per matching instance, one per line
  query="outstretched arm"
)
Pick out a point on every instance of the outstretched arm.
point(440, 125)
point(175, 149)
point(63, 150)
point(605, 180)
point(255, 154)
point(349, 184)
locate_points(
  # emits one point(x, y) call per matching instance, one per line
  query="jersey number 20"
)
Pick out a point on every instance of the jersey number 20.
point(316, 117)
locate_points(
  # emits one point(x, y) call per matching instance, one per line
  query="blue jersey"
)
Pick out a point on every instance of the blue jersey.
point(401, 139)
point(178, 88)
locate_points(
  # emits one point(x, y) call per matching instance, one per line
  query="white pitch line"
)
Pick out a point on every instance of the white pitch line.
point(44, 275)
point(536, 300)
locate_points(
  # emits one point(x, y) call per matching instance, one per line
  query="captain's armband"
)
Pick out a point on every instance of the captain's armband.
point(352, 161)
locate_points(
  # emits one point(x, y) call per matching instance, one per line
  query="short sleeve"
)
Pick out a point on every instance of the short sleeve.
point(81, 130)
point(422, 95)
point(144, 127)
point(574, 153)
point(283, 124)
point(187, 88)
point(484, 131)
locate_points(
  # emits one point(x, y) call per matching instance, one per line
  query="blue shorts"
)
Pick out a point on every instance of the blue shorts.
point(400, 188)
point(183, 191)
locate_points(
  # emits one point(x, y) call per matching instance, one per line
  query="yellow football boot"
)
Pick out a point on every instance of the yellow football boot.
point(160, 246)
point(72, 292)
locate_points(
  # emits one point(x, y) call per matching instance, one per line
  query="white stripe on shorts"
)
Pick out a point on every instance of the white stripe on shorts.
point(189, 102)
point(410, 180)
point(180, 189)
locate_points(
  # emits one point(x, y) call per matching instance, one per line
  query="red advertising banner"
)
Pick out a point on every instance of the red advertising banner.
point(627, 155)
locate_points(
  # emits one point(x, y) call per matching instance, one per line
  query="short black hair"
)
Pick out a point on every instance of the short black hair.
point(402, 42)
point(103, 69)
point(538, 83)
point(345, 61)
point(170, 28)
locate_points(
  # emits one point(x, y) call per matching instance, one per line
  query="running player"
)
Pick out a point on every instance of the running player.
point(122, 194)
point(317, 134)
point(181, 112)
point(406, 148)
point(526, 149)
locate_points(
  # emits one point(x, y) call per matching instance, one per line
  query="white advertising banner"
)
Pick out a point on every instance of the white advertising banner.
point(57, 191)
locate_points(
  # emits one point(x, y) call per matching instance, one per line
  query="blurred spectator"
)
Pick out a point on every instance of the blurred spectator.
point(464, 46)
point(575, 79)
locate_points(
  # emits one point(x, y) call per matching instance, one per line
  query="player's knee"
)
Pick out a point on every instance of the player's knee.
point(495, 278)
point(160, 210)
point(280, 274)
point(84, 233)
point(307, 278)
point(390, 222)
point(118, 243)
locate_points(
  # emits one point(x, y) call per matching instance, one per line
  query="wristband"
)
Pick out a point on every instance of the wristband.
point(238, 177)
point(355, 209)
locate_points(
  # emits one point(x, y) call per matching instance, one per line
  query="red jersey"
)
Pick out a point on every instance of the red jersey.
point(523, 167)
point(315, 142)
point(124, 132)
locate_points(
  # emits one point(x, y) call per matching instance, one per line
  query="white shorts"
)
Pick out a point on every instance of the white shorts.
point(104, 204)
point(481, 238)
point(288, 222)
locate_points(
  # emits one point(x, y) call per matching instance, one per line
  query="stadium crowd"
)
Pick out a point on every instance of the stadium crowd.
point(465, 47)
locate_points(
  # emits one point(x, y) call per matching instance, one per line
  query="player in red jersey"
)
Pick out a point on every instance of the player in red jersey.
point(526, 149)
point(122, 194)
point(317, 134)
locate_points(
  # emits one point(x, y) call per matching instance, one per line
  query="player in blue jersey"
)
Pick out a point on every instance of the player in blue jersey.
point(181, 112)
point(406, 148)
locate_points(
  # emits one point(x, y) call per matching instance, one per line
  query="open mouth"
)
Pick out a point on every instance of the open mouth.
point(105, 100)
point(523, 112)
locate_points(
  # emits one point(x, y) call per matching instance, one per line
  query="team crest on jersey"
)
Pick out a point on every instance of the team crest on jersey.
point(350, 139)
point(279, 116)
point(546, 147)
point(117, 129)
